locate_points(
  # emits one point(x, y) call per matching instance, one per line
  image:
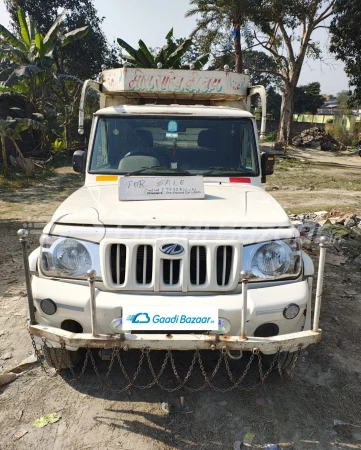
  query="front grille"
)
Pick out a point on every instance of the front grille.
point(204, 266)
point(171, 270)
point(198, 265)
point(118, 259)
point(144, 264)
point(224, 264)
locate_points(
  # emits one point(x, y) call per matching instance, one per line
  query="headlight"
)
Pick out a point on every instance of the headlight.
point(68, 258)
point(273, 260)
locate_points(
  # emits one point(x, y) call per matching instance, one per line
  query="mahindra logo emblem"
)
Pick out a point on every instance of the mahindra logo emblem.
point(172, 249)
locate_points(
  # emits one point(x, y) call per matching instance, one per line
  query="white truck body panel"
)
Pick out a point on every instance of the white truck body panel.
point(227, 205)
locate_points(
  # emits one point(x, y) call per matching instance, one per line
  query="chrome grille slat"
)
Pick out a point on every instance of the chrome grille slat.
point(198, 265)
point(171, 272)
point(118, 264)
point(197, 275)
point(144, 264)
point(118, 260)
point(224, 265)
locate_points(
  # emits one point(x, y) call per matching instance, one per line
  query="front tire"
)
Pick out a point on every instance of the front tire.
point(283, 362)
point(61, 358)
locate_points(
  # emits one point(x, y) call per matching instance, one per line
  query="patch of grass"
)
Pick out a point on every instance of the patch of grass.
point(19, 180)
point(292, 174)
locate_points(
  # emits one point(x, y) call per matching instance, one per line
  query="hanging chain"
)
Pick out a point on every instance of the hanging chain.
point(296, 358)
point(37, 354)
point(60, 358)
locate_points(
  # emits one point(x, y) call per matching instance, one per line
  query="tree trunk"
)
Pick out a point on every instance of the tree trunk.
point(287, 110)
point(237, 48)
point(69, 138)
point(5, 161)
point(67, 127)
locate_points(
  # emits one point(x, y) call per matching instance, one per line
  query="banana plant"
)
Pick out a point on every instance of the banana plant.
point(32, 56)
point(170, 55)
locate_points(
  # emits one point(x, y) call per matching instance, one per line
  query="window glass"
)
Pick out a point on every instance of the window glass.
point(207, 146)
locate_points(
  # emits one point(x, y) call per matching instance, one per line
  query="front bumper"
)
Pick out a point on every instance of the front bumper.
point(55, 337)
point(264, 305)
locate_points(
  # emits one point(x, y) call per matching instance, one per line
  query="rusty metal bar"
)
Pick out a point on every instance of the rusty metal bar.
point(308, 321)
point(73, 341)
point(244, 276)
point(91, 279)
point(23, 237)
point(321, 268)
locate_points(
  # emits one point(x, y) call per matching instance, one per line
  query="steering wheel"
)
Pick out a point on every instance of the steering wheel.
point(149, 151)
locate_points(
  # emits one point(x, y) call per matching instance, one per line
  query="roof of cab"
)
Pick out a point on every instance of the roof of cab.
point(187, 110)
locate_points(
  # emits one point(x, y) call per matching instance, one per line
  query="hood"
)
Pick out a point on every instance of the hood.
point(226, 205)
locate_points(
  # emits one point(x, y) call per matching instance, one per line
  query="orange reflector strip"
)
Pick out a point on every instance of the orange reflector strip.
point(240, 180)
point(107, 178)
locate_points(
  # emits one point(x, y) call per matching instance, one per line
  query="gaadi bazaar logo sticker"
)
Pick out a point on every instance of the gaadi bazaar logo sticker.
point(169, 318)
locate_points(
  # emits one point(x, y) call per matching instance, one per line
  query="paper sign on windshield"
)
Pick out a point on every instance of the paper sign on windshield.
point(161, 188)
point(169, 318)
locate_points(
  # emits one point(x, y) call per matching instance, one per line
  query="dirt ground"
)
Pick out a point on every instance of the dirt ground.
point(297, 411)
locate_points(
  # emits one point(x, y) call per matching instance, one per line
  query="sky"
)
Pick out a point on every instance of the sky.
point(151, 21)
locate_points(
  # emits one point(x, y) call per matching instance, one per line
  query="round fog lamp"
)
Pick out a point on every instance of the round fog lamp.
point(291, 311)
point(48, 306)
point(117, 325)
point(224, 326)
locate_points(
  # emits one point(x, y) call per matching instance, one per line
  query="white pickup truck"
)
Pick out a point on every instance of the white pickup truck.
point(172, 243)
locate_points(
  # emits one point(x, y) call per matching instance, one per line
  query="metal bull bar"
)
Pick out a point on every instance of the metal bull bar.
point(72, 341)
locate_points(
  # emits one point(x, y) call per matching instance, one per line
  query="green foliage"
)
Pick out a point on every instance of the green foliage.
point(274, 100)
point(274, 25)
point(308, 98)
point(80, 13)
point(342, 135)
point(32, 56)
point(170, 55)
point(346, 41)
point(216, 17)
point(344, 100)
point(270, 137)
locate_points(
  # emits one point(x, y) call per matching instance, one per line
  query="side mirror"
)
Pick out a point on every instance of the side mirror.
point(79, 160)
point(267, 165)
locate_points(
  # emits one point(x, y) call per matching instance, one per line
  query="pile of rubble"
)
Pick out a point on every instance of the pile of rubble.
point(344, 231)
point(317, 137)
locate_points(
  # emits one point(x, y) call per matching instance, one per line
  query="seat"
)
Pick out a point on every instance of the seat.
point(211, 154)
point(145, 137)
point(134, 162)
point(208, 139)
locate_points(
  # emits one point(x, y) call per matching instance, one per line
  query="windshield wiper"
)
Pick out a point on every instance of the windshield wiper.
point(225, 169)
point(167, 169)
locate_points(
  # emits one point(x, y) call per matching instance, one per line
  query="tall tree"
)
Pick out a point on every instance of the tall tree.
point(285, 31)
point(346, 42)
point(261, 66)
point(281, 28)
point(216, 14)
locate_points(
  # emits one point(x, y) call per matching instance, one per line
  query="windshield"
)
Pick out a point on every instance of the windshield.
point(154, 146)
